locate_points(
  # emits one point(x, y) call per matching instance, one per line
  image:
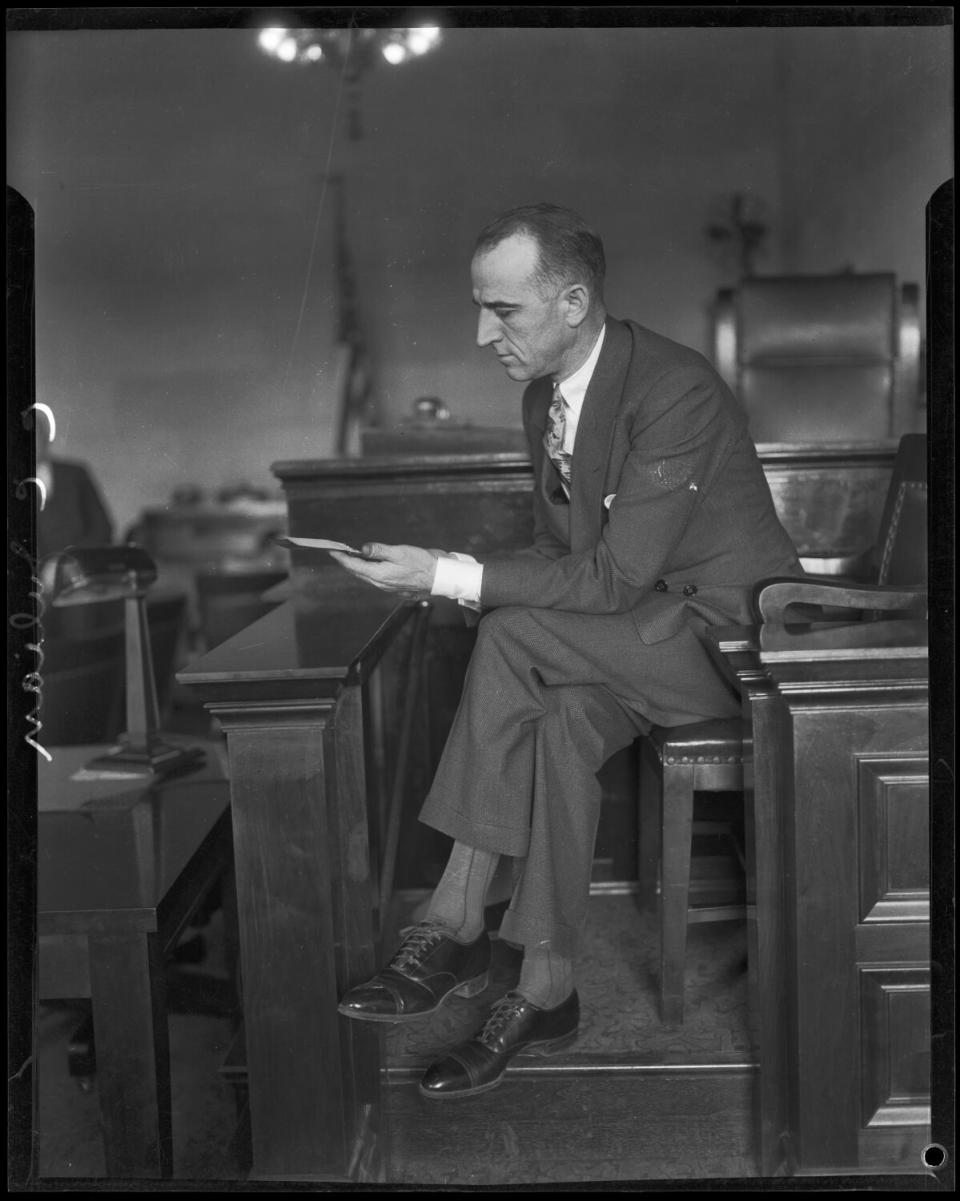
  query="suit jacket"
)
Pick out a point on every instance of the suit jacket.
point(670, 516)
point(74, 514)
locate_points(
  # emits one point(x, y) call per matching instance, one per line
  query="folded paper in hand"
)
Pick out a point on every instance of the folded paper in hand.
point(318, 544)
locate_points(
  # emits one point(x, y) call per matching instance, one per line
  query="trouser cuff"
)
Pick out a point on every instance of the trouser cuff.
point(465, 829)
point(533, 932)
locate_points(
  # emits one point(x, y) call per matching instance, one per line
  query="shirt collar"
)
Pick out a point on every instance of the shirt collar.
point(574, 387)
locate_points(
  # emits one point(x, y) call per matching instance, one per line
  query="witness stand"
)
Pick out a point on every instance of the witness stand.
point(303, 695)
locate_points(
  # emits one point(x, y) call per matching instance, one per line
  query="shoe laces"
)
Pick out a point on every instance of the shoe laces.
point(503, 1012)
point(417, 941)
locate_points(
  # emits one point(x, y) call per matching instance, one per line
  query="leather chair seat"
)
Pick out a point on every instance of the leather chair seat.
point(719, 740)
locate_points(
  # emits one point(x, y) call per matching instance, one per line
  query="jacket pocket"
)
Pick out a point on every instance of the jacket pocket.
point(660, 617)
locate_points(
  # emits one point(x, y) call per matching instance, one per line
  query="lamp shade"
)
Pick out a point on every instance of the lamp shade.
point(86, 574)
point(83, 575)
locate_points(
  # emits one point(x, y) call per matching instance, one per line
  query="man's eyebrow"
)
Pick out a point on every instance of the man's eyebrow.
point(496, 304)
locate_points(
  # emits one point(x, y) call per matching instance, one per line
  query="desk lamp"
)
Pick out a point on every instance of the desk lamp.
point(86, 575)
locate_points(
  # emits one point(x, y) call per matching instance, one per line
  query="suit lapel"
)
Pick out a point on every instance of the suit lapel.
point(595, 434)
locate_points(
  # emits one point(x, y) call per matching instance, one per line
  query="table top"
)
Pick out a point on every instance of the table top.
point(109, 851)
point(307, 646)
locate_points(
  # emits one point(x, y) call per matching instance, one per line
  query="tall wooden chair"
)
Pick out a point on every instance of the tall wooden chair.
point(706, 758)
point(819, 359)
point(676, 765)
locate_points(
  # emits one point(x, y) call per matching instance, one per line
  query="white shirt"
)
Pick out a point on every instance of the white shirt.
point(460, 576)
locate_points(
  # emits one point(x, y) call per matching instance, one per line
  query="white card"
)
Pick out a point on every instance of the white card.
point(319, 544)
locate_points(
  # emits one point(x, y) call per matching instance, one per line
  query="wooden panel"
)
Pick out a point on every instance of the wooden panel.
point(472, 503)
point(830, 742)
point(830, 509)
point(829, 499)
point(895, 1045)
point(282, 843)
point(559, 1128)
point(133, 1054)
point(836, 784)
point(896, 1058)
point(63, 966)
point(352, 887)
point(894, 839)
point(292, 694)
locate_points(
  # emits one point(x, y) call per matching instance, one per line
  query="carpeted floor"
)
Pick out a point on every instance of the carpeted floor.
point(617, 984)
point(617, 980)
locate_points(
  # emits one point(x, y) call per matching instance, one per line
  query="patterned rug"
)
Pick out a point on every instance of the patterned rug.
point(617, 976)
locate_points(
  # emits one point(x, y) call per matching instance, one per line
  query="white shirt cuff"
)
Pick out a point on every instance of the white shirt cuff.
point(458, 577)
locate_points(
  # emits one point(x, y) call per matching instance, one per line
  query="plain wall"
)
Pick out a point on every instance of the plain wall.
point(186, 299)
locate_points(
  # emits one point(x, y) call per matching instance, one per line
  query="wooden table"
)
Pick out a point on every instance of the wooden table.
point(302, 694)
point(838, 802)
point(121, 868)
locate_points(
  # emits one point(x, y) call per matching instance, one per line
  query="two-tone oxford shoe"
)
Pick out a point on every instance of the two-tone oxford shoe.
point(515, 1027)
point(428, 967)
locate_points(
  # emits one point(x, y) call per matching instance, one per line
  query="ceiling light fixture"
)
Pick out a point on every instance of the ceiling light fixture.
point(353, 51)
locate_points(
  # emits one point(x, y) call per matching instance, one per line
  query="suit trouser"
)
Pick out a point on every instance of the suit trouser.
point(548, 697)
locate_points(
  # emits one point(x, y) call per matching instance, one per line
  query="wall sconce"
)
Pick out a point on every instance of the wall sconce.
point(91, 574)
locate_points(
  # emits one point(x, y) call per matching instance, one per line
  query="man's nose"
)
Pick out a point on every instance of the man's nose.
point(488, 328)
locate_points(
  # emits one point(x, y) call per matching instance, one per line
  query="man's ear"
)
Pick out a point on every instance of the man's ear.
point(576, 302)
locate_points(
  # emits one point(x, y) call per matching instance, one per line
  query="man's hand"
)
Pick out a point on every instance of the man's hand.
point(406, 570)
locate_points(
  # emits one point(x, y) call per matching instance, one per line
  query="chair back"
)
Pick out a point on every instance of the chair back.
point(900, 581)
point(903, 526)
point(821, 359)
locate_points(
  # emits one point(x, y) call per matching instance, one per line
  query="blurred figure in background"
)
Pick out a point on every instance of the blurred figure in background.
point(73, 512)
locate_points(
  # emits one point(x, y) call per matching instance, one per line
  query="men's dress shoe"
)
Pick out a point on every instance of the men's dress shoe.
point(428, 967)
point(515, 1027)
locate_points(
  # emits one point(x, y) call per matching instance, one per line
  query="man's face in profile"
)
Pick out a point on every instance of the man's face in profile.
point(527, 329)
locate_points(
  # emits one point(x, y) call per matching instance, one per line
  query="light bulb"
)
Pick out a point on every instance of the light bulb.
point(394, 53)
point(270, 39)
point(314, 53)
point(287, 50)
point(421, 40)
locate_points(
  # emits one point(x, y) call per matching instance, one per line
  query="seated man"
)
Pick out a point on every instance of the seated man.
point(653, 519)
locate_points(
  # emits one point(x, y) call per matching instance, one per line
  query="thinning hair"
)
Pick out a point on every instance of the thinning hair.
point(569, 251)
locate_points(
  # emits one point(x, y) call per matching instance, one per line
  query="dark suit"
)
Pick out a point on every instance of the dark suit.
point(74, 513)
point(592, 634)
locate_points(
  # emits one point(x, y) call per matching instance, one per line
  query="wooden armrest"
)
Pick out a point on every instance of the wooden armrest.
point(772, 597)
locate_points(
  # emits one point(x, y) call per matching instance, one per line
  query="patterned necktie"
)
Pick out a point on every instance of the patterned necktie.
point(553, 437)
